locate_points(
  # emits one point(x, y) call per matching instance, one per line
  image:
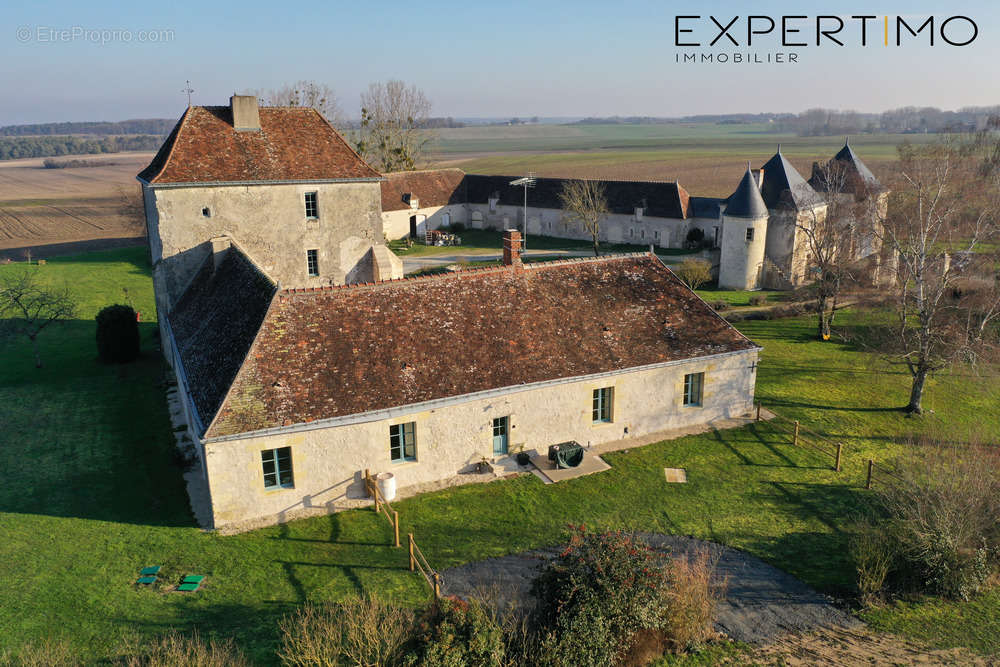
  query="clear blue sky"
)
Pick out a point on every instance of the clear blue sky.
point(471, 58)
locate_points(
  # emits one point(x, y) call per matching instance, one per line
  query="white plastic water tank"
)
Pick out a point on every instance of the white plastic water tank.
point(386, 482)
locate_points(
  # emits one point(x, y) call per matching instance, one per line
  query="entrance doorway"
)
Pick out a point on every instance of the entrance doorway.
point(500, 435)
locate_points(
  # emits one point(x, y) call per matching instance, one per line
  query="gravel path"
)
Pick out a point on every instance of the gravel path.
point(762, 602)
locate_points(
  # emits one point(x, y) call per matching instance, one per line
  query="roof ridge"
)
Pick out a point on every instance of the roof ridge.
point(457, 275)
point(422, 171)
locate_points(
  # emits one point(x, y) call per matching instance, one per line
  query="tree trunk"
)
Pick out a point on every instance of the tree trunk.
point(917, 392)
point(38, 356)
point(597, 252)
point(823, 325)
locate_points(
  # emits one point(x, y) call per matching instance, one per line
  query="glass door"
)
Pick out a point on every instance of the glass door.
point(500, 430)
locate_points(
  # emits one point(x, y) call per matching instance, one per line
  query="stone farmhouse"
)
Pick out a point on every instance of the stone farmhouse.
point(297, 376)
point(755, 235)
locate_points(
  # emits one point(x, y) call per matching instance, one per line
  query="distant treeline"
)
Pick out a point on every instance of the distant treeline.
point(721, 119)
point(160, 126)
point(51, 163)
point(435, 123)
point(906, 120)
point(23, 147)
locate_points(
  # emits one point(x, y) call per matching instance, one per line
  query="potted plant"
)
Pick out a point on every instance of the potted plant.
point(522, 457)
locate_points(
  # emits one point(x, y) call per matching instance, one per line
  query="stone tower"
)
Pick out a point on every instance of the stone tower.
point(744, 234)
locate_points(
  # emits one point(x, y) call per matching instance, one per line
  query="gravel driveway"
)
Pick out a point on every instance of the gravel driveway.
point(762, 602)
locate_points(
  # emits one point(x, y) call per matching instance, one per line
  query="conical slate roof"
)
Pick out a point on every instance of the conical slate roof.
point(746, 202)
point(784, 186)
point(860, 179)
point(854, 163)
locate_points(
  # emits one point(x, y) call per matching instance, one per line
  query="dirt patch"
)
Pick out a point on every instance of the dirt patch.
point(762, 603)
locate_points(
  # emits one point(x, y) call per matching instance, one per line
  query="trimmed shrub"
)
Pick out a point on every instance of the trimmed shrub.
point(596, 597)
point(358, 631)
point(455, 634)
point(117, 335)
point(720, 305)
point(758, 299)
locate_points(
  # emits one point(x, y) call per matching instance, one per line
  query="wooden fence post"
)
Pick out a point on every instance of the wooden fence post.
point(795, 436)
point(412, 561)
point(871, 464)
point(840, 448)
point(437, 585)
point(395, 526)
point(758, 410)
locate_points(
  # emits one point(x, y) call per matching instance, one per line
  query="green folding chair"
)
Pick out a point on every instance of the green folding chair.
point(147, 575)
point(190, 583)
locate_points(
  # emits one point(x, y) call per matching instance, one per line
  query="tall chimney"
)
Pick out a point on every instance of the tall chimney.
point(512, 248)
point(246, 116)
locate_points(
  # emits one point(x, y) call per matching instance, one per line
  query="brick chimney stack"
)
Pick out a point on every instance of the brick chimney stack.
point(512, 248)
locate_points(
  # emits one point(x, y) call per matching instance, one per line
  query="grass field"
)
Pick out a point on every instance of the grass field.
point(707, 159)
point(92, 493)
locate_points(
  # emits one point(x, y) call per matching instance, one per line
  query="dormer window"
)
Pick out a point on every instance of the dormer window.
point(493, 204)
point(638, 212)
point(312, 205)
point(207, 212)
point(414, 202)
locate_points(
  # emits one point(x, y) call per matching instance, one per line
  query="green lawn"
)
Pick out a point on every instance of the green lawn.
point(737, 298)
point(92, 493)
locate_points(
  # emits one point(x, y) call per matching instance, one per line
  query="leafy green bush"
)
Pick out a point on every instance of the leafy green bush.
point(597, 596)
point(456, 634)
point(117, 334)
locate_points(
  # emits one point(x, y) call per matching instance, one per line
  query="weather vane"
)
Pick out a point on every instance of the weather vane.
point(188, 90)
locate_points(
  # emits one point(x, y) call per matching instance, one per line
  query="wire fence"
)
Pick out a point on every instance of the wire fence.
point(806, 438)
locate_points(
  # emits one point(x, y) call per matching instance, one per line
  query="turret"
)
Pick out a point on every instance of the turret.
point(744, 232)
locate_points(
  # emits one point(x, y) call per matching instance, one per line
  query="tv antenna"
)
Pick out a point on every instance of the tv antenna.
point(188, 89)
point(527, 182)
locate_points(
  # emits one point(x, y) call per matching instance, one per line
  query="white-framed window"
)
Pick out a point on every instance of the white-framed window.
point(277, 464)
point(312, 205)
point(693, 384)
point(749, 233)
point(403, 442)
point(312, 262)
point(602, 405)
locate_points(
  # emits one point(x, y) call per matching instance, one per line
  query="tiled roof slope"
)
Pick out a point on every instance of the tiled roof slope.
point(294, 144)
point(340, 351)
point(214, 324)
point(660, 199)
point(435, 187)
point(746, 202)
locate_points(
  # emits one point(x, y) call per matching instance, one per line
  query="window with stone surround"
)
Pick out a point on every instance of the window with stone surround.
point(693, 383)
point(603, 399)
point(312, 205)
point(403, 442)
point(277, 465)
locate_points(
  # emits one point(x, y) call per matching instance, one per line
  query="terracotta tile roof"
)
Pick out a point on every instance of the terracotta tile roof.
point(435, 187)
point(214, 324)
point(340, 351)
point(294, 143)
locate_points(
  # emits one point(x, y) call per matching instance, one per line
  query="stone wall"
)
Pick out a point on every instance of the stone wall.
point(328, 462)
point(269, 223)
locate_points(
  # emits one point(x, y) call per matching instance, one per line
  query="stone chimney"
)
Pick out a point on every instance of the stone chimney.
point(512, 248)
point(246, 116)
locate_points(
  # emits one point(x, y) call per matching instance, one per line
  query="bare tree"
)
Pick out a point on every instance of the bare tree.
point(27, 307)
point(585, 203)
point(304, 93)
point(831, 232)
point(391, 137)
point(944, 208)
